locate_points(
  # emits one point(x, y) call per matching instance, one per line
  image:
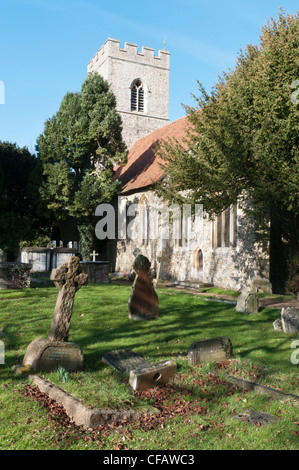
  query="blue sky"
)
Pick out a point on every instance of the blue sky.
point(45, 46)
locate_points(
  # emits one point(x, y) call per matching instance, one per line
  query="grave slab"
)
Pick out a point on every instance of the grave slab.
point(142, 375)
point(256, 418)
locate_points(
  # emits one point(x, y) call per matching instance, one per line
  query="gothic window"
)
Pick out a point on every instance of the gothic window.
point(224, 230)
point(144, 221)
point(181, 227)
point(137, 96)
point(197, 259)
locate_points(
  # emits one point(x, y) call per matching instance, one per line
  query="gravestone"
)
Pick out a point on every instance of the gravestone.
point(256, 418)
point(288, 322)
point(14, 275)
point(247, 303)
point(98, 271)
point(215, 350)
point(143, 302)
point(49, 353)
point(142, 375)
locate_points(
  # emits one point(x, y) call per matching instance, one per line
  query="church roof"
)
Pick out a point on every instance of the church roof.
point(142, 168)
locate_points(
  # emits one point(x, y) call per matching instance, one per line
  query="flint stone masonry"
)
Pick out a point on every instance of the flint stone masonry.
point(14, 275)
point(142, 375)
point(98, 271)
point(215, 349)
point(229, 268)
point(88, 418)
point(121, 67)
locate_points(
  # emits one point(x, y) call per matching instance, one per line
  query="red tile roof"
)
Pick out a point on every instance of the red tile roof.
point(142, 168)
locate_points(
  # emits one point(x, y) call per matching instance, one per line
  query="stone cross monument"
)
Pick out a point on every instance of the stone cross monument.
point(68, 279)
point(47, 354)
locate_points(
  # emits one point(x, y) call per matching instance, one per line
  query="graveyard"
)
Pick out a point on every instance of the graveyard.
point(149, 259)
point(198, 407)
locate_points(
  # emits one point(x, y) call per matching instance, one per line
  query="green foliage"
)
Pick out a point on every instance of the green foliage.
point(62, 374)
point(242, 141)
point(243, 138)
point(22, 212)
point(78, 149)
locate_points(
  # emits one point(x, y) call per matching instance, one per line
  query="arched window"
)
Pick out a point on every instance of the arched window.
point(197, 259)
point(144, 221)
point(137, 96)
point(224, 228)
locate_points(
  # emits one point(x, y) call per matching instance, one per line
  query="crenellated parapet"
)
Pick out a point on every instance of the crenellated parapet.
point(112, 49)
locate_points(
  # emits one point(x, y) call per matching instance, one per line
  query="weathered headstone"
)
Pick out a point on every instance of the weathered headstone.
point(215, 350)
point(68, 279)
point(98, 271)
point(14, 275)
point(48, 354)
point(143, 302)
point(289, 321)
point(142, 375)
point(277, 325)
point(256, 418)
point(247, 303)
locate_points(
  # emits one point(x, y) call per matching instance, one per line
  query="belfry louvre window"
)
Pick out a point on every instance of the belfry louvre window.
point(137, 97)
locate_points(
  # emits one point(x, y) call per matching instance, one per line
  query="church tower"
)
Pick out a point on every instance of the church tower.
point(140, 83)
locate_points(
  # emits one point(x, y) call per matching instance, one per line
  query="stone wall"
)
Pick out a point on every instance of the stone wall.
point(45, 259)
point(198, 260)
point(98, 271)
point(120, 67)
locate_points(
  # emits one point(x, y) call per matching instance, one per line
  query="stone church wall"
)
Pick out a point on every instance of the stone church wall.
point(198, 261)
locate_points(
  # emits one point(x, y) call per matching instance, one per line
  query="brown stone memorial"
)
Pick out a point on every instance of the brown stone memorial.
point(143, 302)
point(48, 354)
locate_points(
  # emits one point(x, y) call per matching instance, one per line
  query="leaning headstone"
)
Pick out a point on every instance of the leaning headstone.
point(290, 320)
point(143, 302)
point(47, 354)
point(68, 279)
point(215, 350)
point(142, 375)
point(247, 303)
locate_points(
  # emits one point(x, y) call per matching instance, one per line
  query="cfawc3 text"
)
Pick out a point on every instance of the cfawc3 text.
point(152, 459)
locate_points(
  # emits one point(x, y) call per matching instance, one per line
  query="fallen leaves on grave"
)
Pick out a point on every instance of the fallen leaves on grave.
point(170, 400)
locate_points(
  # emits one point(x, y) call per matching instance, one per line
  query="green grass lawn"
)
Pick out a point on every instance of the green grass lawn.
point(199, 406)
